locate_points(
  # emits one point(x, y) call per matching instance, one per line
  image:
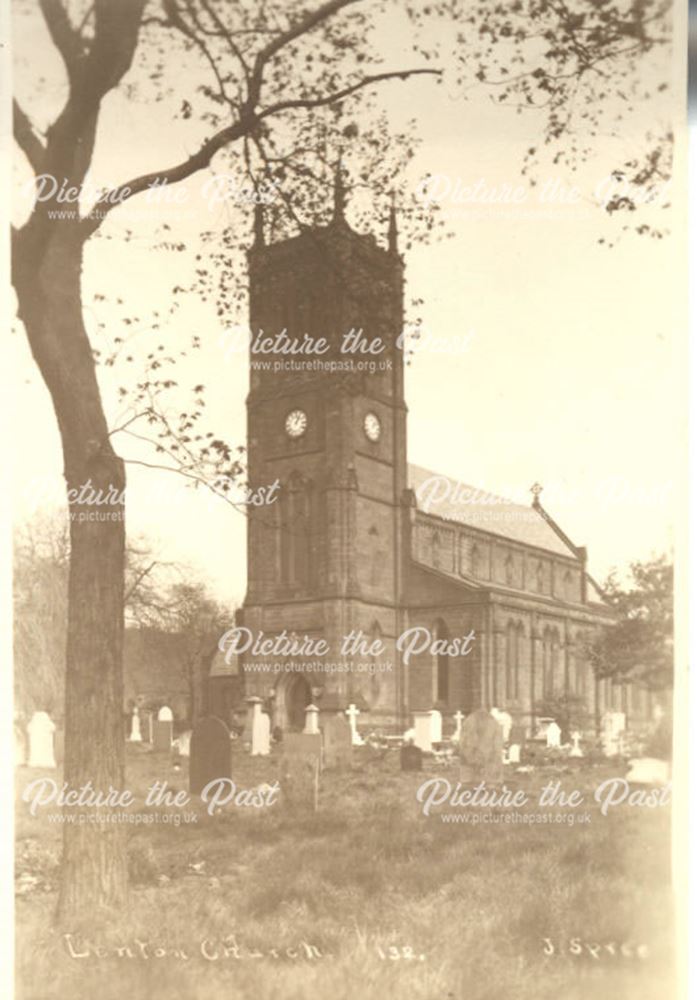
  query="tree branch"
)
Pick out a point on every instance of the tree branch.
point(117, 196)
point(339, 95)
point(245, 126)
point(301, 27)
point(27, 140)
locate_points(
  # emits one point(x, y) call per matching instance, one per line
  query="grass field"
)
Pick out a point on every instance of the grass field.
point(366, 898)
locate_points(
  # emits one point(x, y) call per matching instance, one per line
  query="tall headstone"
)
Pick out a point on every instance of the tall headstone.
point(505, 720)
point(210, 755)
point(135, 734)
point(337, 742)
point(260, 728)
point(311, 721)
point(481, 749)
point(436, 726)
point(182, 744)
point(459, 718)
point(299, 769)
point(410, 758)
point(576, 750)
point(163, 730)
point(40, 731)
point(514, 753)
point(613, 725)
point(553, 736)
point(353, 712)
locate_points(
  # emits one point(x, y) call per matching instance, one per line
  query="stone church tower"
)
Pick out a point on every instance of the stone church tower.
point(327, 558)
point(359, 543)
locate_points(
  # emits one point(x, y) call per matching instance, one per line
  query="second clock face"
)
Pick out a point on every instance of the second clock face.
point(371, 426)
point(296, 423)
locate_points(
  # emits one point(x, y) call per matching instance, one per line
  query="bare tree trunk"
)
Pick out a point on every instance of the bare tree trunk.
point(47, 278)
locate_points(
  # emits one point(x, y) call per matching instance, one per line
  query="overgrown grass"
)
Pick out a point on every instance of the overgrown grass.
point(465, 908)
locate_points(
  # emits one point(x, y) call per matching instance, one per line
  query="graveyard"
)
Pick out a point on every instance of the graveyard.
point(278, 897)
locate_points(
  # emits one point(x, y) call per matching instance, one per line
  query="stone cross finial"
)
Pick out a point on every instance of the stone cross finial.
point(536, 489)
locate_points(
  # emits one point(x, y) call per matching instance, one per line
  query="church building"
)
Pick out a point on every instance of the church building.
point(453, 599)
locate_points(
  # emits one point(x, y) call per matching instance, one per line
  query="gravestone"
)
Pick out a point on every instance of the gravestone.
point(299, 769)
point(261, 730)
point(311, 721)
point(576, 750)
point(163, 730)
point(505, 720)
point(514, 753)
point(353, 712)
point(428, 729)
point(613, 725)
point(648, 771)
point(481, 749)
point(543, 724)
point(410, 758)
point(210, 756)
point(459, 719)
point(40, 731)
point(553, 736)
point(338, 742)
point(135, 735)
point(182, 744)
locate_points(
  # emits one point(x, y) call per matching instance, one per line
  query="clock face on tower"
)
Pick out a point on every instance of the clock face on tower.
point(371, 426)
point(296, 423)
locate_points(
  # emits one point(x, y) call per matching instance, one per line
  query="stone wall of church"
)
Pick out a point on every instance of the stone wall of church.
point(469, 553)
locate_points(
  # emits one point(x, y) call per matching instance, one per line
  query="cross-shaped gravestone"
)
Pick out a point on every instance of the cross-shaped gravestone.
point(576, 750)
point(352, 712)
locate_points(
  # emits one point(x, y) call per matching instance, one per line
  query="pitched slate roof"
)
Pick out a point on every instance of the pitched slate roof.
point(447, 498)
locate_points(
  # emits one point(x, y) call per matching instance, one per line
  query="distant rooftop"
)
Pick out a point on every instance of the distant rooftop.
point(478, 508)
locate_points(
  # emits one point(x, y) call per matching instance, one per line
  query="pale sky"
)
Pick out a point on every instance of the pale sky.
point(570, 374)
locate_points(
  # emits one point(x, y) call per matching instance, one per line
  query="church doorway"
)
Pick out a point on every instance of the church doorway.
point(297, 697)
